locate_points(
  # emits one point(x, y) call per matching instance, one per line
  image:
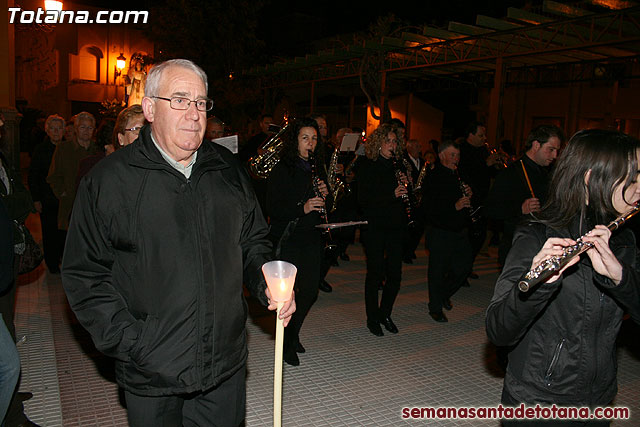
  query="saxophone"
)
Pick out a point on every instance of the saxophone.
point(417, 189)
point(338, 188)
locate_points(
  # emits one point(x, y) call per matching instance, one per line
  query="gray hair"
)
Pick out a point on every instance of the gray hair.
point(152, 85)
point(83, 116)
point(53, 118)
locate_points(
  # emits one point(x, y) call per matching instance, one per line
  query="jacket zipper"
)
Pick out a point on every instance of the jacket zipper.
point(595, 346)
point(554, 360)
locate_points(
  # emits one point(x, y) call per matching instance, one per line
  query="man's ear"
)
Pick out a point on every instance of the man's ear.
point(536, 146)
point(586, 185)
point(148, 108)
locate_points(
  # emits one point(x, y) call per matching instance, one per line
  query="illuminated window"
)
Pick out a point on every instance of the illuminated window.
point(85, 66)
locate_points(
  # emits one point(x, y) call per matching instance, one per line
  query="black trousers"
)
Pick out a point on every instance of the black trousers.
point(450, 262)
point(223, 405)
point(383, 249)
point(52, 238)
point(305, 251)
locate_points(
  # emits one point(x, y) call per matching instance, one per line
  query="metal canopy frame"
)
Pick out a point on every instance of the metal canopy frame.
point(558, 35)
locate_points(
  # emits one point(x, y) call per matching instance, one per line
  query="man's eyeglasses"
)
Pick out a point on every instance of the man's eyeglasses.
point(180, 103)
point(135, 129)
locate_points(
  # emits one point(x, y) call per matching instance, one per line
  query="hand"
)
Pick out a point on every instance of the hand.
point(38, 206)
point(494, 159)
point(403, 179)
point(314, 204)
point(288, 308)
point(530, 205)
point(463, 202)
point(322, 187)
point(400, 191)
point(467, 190)
point(603, 260)
point(554, 247)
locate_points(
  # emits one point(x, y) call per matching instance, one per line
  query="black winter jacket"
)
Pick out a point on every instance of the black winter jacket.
point(564, 332)
point(154, 264)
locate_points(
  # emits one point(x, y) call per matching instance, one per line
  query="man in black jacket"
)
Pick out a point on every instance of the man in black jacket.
point(447, 208)
point(163, 233)
point(521, 189)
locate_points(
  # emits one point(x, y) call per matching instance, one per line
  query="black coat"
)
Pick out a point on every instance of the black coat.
point(289, 186)
point(563, 333)
point(376, 193)
point(6, 250)
point(38, 171)
point(154, 264)
point(441, 191)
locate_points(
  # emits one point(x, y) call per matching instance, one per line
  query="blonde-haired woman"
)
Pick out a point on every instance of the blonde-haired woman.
point(380, 196)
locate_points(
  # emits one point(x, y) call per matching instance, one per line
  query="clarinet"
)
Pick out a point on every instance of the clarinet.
point(473, 212)
point(315, 181)
point(549, 266)
point(405, 197)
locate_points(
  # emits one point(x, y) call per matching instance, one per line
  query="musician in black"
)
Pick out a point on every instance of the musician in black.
point(477, 167)
point(380, 196)
point(448, 222)
point(521, 189)
point(414, 161)
point(294, 205)
point(564, 329)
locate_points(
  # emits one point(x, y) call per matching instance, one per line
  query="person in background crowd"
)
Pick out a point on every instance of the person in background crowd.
point(414, 160)
point(563, 330)
point(128, 126)
point(295, 203)
point(215, 128)
point(447, 215)
point(477, 167)
point(103, 147)
point(9, 357)
point(164, 233)
point(380, 196)
point(18, 203)
point(520, 190)
point(45, 201)
point(63, 172)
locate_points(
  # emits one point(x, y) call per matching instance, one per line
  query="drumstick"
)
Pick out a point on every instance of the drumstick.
point(526, 176)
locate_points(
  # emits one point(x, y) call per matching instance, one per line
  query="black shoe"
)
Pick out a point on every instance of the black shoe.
point(447, 305)
point(291, 358)
point(375, 329)
point(23, 396)
point(300, 348)
point(439, 317)
point(325, 287)
point(345, 257)
point(465, 284)
point(334, 262)
point(473, 275)
point(408, 260)
point(389, 325)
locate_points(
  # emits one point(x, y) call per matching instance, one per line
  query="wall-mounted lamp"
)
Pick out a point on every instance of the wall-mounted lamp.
point(121, 62)
point(52, 5)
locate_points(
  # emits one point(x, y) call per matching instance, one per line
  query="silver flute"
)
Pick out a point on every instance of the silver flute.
point(551, 265)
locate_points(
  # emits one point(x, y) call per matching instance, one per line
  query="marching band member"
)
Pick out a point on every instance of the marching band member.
point(564, 330)
point(295, 205)
point(379, 194)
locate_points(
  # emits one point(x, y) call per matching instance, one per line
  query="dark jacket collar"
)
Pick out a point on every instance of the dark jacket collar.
point(146, 155)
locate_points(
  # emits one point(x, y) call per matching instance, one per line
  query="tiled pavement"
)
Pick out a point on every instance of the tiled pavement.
point(347, 376)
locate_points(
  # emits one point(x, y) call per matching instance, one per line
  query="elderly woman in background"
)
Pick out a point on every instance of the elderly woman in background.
point(128, 125)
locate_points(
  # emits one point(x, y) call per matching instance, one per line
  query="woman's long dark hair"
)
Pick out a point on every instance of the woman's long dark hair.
point(611, 156)
point(290, 153)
